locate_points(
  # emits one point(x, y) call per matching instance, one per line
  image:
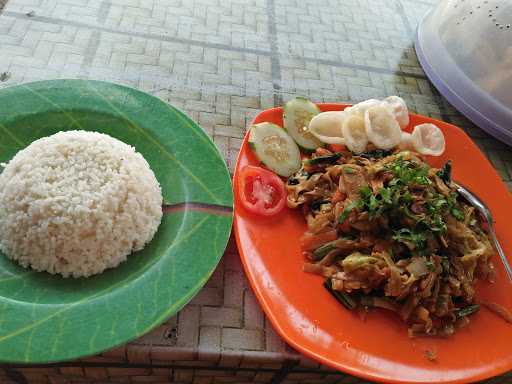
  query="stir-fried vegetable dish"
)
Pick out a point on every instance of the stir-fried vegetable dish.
point(384, 228)
point(387, 230)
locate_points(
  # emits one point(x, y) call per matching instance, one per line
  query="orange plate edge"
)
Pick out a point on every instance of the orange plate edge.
point(379, 362)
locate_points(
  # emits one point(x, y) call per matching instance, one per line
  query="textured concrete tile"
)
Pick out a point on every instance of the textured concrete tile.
point(234, 338)
point(347, 31)
point(209, 339)
point(253, 315)
point(188, 326)
point(235, 23)
point(227, 317)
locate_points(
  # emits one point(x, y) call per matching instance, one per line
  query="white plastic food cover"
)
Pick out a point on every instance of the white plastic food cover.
point(465, 48)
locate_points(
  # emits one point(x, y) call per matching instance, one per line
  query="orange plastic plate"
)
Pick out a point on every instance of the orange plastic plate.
point(377, 348)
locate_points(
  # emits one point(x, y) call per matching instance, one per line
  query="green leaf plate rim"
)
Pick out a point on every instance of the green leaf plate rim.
point(213, 208)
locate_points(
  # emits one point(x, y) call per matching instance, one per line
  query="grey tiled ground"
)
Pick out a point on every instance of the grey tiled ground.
point(223, 61)
point(235, 23)
point(359, 32)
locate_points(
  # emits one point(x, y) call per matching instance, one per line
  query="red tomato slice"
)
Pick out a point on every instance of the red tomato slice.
point(261, 191)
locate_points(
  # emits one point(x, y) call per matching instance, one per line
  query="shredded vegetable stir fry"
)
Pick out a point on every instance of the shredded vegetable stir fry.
point(387, 230)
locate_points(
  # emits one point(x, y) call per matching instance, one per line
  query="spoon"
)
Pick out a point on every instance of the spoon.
point(486, 213)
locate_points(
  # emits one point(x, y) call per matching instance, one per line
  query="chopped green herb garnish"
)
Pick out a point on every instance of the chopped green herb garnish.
point(385, 194)
point(438, 203)
point(395, 199)
point(445, 173)
point(435, 223)
point(407, 236)
point(408, 172)
point(457, 213)
point(365, 192)
point(348, 209)
point(407, 197)
point(373, 204)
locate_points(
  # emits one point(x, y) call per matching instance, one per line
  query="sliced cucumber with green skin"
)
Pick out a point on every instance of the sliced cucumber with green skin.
point(297, 114)
point(275, 148)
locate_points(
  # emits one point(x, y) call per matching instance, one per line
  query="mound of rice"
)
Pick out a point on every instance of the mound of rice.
point(77, 203)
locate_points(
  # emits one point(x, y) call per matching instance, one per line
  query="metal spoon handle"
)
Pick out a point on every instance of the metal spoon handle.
point(500, 251)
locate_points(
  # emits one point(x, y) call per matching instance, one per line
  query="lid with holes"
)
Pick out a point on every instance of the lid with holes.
point(465, 48)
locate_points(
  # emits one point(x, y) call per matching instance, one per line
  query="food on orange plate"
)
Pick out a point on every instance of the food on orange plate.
point(383, 227)
point(274, 148)
point(261, 191)
point(392, 232)
point(327, 127)
point(297, 114)
point(381, 126)
point(399, 109)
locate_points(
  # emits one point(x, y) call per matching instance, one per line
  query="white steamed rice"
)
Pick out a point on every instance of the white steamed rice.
point(77, 203)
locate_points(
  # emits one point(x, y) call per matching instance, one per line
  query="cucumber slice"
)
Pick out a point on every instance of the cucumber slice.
point(297, 114)
point(275, 148)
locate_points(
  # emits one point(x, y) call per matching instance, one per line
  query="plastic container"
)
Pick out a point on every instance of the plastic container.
point(465, 48)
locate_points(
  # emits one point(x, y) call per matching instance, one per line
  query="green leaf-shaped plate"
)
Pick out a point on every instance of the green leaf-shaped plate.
point(45, 318)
